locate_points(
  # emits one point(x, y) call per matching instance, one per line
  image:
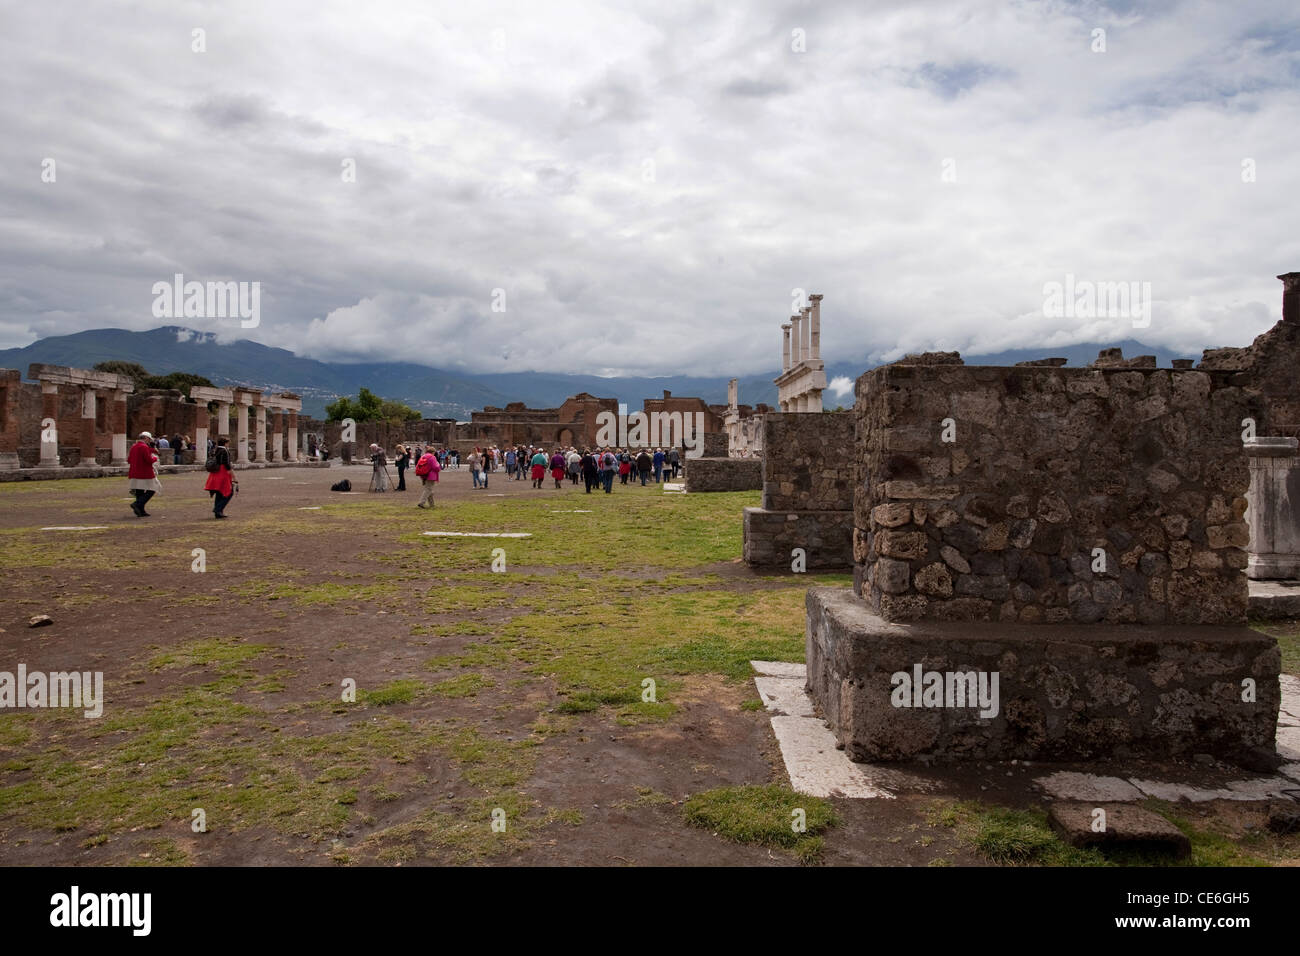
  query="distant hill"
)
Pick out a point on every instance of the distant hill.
point(435, 392)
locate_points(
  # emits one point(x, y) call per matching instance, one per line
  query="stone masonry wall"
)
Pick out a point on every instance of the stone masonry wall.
point(808, 461)
point(1049, 464)
point(724, 474)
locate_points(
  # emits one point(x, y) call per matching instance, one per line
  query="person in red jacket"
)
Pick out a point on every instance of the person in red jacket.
point(221, 483)
point(426, 469)
point(141, 479)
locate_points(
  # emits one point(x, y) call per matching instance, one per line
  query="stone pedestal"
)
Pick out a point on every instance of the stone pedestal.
point(1274, 511)
point(293, 436)
point(1037, 692)
point(10, 383)
point(259, 434)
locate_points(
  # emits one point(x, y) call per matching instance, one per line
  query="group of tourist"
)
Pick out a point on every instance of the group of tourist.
point(591, 467)
point(142, 472)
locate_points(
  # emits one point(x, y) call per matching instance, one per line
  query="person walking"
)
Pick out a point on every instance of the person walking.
point(558, 468)
point(426, 469)
point(379, 474)
point(402, 461)
point(538, 462)
point(590, 471)
point(659, 465)
point(643, 465)
point(142, 480)
point(674, 461)
point(510, 464)
point(221, 484)
point(608, 465)
point(474, 459)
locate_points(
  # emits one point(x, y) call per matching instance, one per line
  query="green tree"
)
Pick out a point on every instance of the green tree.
point(369, 407)
point(177, 380)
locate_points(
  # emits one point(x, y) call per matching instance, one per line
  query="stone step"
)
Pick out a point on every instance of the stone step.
point(1109, 825)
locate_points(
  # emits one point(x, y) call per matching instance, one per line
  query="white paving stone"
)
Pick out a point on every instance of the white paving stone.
point(785, 695)
point(1288, 743)
point(1234, 790)
point(816, 767)
point(77, 527)
point(477, 534)
point(310, 508)
point(1291, 770)
point(1069, 785)
point(779, 669)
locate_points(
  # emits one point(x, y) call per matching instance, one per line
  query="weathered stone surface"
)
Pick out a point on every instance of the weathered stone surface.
point(825, 536)
point(1065, 692)
point(1117, 824)
point(724, 474)
point(1051, 468)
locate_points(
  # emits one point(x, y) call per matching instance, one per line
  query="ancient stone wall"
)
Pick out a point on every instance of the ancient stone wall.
point(807, 492)
point(808, 462)
point(724, 474)
point(1088, 495)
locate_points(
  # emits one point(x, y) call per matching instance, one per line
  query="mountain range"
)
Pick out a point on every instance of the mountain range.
point(437, 393)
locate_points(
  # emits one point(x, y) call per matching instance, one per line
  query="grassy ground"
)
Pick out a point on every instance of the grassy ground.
point(339, 688)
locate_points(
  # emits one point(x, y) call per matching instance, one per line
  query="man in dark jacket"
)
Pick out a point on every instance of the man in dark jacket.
point(643, 465)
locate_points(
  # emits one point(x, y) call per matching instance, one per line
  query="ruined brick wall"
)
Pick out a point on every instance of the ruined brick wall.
point(1049, 464)
point(1270, 365)
point(808, 461)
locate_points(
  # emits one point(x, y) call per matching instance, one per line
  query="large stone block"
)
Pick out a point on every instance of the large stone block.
point(1062, 692)
point(724, 474)
point(825, 537)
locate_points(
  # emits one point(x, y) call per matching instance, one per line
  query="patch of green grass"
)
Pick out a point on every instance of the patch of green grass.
point(462, 685)
point(396, 692)
point(1288, 642)
point(768, 815)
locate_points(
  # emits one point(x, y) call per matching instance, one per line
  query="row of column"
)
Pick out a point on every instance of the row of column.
point(90, 399)
point(802, 337)
point(240, 449)
point(117, 422)
point(809, 401)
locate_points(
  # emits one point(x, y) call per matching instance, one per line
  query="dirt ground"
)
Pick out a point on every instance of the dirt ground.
point(223, 690)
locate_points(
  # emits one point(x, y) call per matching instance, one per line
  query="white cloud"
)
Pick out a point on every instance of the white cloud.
point(506, 147)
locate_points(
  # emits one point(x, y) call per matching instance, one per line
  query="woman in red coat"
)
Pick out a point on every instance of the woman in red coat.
point(141, 478)
point(221, 483)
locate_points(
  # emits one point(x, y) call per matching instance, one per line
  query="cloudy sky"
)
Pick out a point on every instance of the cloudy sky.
point(647, 183)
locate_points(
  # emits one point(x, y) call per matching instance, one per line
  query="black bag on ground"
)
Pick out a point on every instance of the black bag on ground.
point(343, 485)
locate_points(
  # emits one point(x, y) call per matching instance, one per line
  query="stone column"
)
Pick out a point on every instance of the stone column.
point(1273, 514)
point(785, 348)
point(805, 327)
point(241, 431)
point(1290, 297)
point(117, 417)
point(277, 435)
point(10, 383)
point(259, 433)
point(201, 421)
point(88, 428)
point(293, 436)
point(223, 418)
point(50, 425)
point(796, 344)
point(816, 300)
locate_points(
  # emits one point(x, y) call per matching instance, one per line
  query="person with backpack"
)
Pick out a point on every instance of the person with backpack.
point(221, 484)
point(557, 468)
point(426, 469)
point(608, 465)
point(402, 461)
